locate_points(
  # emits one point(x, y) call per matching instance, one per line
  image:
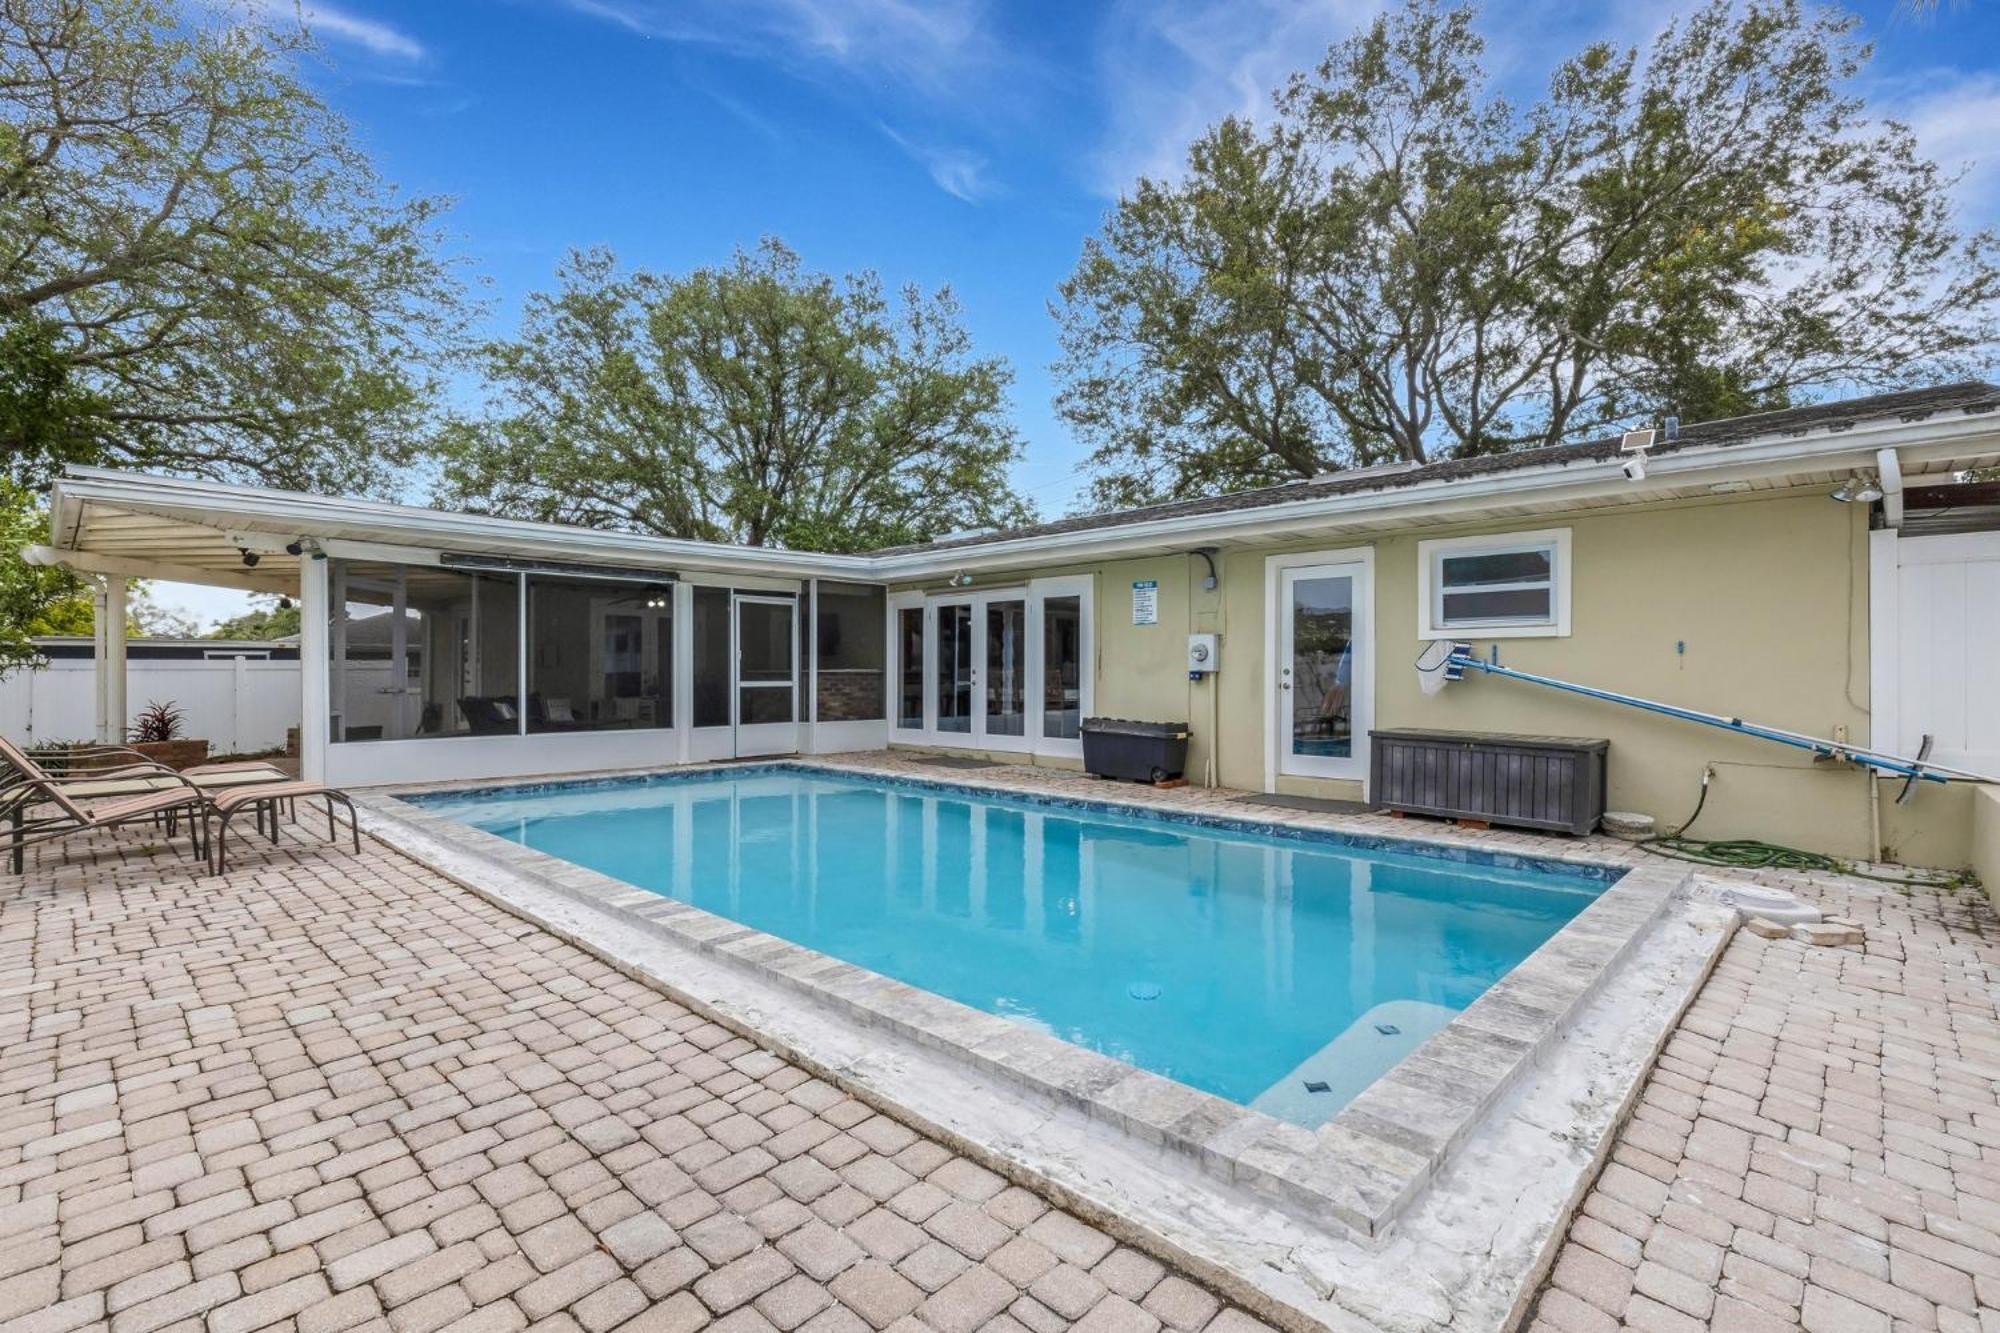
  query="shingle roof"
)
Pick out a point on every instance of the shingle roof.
point(1844, 414)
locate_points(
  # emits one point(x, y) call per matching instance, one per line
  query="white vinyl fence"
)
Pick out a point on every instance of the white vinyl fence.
point(238, 705)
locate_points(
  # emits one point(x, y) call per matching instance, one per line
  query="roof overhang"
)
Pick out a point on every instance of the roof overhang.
point(112, 522)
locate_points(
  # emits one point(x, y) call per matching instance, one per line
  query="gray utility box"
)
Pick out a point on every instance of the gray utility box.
point(1540, 782)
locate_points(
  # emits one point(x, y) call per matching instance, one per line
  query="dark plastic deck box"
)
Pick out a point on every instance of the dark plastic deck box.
point(1114, 747)
point(1537, 782)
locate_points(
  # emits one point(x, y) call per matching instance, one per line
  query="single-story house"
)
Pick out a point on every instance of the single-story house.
point(1832, 569)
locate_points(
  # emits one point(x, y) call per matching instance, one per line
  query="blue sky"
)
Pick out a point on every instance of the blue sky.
point(936, 141)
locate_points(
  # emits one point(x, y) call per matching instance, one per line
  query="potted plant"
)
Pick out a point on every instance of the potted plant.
point(156, 733)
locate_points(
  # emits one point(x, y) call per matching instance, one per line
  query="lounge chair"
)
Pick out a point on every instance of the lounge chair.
point(264, 801)
point(114, 770)
point(110, 773)
point(19, 796)
point(99, 762)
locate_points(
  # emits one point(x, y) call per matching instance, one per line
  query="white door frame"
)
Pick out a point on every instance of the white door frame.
point(1032, 595)
point(978, 737)
point(1357, 562)
point(761, 738)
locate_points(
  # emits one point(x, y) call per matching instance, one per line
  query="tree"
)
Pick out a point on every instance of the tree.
point(34, 599)
point(753, 402)
point(199, 271)
point(1403, 265)
point(145, 618)
point(270, 617)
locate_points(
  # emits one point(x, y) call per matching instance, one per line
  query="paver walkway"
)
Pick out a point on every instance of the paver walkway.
point(330, 1091)
point(1819, 1143)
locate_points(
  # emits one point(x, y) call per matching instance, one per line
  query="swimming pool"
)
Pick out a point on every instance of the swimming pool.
point(1283, 972)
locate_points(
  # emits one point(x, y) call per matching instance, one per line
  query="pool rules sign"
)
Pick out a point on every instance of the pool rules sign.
point(1145, 601)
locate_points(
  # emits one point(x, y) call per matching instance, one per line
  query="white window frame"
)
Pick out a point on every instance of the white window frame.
point(1430, 590)
point(1083, 587)
point(898, 603)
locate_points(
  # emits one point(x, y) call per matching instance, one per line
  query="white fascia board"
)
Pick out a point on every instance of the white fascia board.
point(1436, 500)
point(223, 506)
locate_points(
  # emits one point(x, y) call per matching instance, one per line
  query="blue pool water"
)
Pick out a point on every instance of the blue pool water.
point(1245, 964)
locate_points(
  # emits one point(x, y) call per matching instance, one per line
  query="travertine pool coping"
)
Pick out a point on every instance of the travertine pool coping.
point(1359, 1171)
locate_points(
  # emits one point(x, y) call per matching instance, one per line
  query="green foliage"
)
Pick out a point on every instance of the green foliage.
point(753, 402)
point(199, 271)
point(145, 618)
point(265, 620)
point(157, 722)
point(34, 599)
point(1403, 265)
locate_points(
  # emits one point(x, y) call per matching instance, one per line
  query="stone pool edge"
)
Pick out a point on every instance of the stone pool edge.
point(1359, 1171)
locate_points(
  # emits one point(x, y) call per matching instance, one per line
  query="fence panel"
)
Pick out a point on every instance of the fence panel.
point(236, 704)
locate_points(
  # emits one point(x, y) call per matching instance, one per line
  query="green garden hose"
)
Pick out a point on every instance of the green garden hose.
point(1753, 854)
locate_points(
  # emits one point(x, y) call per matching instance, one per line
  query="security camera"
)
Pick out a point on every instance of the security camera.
point(1635, 468)
point(250, 558)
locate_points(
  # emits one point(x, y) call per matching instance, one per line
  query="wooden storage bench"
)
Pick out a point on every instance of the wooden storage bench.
point(1538, 782)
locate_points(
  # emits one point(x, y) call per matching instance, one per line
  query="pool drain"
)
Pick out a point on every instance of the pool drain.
point(1143, 990)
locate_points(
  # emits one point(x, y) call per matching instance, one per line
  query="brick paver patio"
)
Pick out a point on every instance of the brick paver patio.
point(1819, 1144)
point(328, 1092)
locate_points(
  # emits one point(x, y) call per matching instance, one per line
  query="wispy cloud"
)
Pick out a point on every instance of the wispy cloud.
point(1168, 69)
point(927, 45)
point(1953, 114)
point(343, 27)
point(959, 172)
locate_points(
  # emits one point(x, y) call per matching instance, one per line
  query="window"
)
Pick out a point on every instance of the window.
point(418, 651)
point(600, 655)
point(711, 657)
point(1062, 668)
point(850, 642)
point(910, 667)
point(1498, 587)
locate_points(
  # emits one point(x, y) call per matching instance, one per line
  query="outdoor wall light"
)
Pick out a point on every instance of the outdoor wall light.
point(1857, 487)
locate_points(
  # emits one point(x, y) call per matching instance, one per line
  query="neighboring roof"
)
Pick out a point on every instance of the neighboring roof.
point(109, 521)
point(1910, 405)
point(83, 645)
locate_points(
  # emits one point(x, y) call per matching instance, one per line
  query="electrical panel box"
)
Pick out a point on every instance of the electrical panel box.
point(1204, 652)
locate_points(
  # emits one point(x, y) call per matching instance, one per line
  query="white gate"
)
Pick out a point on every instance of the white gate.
point(239, 705)
point(1935, 625)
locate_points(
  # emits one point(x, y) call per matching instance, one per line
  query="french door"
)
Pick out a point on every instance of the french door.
point(764, 689)
point(1000, 670)
point(1322, 692)
point(979, 670)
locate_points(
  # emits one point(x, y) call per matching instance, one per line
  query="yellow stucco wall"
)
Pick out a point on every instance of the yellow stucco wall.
point(1985, 854)
point(1756, 607)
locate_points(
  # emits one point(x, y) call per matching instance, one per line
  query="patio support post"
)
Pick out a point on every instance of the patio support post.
point(315, 710)
point(108, 609)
